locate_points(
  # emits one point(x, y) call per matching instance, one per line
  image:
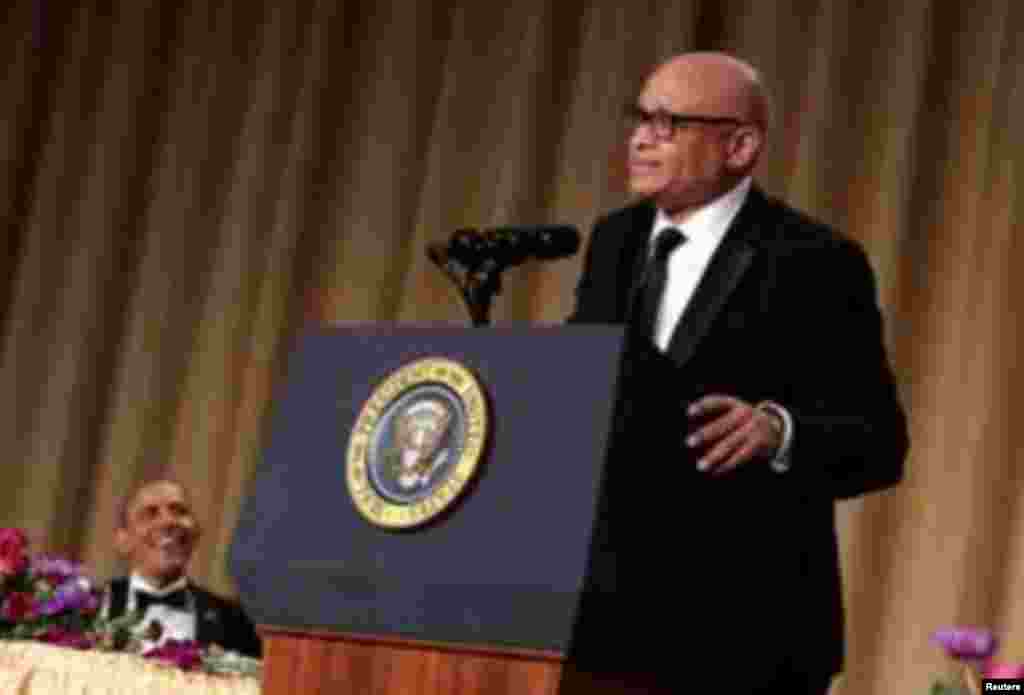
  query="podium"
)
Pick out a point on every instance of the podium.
point(482, 599)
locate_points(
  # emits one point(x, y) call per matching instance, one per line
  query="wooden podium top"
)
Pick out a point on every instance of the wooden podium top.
point(390, 641)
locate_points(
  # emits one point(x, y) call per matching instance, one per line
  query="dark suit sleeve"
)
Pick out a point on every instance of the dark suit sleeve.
point(243, 636)
point(224, 622)
point(850, 432)
point(599, 291)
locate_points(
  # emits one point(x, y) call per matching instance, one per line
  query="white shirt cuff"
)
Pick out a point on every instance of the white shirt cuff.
point(782, 462)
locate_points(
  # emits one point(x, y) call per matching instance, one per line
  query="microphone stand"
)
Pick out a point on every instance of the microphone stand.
point(477, 286)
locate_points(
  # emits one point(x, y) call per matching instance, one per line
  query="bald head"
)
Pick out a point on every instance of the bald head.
point(700, 125)
point(726, 84)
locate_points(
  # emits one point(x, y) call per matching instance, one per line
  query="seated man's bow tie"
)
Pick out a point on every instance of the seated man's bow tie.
point(175, 599)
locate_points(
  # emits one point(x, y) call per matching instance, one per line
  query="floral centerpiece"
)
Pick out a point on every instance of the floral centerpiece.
point(50, 599)
point(972, 651)
point(44, 597)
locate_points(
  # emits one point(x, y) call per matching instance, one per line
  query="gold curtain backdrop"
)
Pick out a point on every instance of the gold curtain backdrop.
point(185, 185)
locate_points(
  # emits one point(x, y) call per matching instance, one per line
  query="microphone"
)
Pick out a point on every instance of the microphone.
point(463, 252)
point(474, 260)
point(503, 247)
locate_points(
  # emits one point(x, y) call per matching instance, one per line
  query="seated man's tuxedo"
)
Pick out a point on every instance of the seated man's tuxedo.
point(185, 611)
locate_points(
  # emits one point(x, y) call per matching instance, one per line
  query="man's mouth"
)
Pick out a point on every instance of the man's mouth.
point(174, 544)
point(642, 166)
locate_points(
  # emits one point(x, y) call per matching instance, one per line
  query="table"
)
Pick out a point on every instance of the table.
point(33, 668)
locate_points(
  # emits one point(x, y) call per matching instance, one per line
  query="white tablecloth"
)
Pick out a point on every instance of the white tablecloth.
point(31, 668)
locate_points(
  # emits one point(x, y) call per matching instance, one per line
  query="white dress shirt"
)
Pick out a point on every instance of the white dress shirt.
point(179, 625)
point(704, 230)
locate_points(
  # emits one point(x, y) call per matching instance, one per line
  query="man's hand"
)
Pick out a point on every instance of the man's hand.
point(737, 433)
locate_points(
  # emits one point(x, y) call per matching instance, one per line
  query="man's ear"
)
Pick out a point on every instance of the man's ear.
point(745, 146)
point(123, 541)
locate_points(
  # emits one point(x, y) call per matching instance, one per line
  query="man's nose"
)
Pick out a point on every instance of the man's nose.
point(641, 137)
point(165, 519)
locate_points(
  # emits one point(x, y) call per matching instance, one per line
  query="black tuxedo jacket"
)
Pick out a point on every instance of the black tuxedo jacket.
point(742, 567)
point(218, 621)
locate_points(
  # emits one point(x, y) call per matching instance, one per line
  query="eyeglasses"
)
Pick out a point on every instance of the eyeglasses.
point(663, 125)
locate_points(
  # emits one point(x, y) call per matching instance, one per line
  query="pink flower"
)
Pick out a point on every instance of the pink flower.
point(18, 606)
point(65, 638)
point(1002, 669)
point(185, 654)
point(966, 642)
point(13, 558)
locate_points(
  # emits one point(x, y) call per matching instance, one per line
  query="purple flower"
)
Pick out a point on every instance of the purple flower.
point(966, 642)
point(55, 569)
point(72, 595)
point(185, 654)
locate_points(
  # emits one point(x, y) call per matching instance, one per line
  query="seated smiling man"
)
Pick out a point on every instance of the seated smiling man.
point(157, 533)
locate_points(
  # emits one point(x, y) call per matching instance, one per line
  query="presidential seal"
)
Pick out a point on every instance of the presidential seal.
point(416, 443)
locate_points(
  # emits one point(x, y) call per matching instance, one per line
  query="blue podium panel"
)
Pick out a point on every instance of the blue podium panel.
point(504, 567)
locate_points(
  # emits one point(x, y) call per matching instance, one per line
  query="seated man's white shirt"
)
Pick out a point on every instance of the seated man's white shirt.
point(177, 624)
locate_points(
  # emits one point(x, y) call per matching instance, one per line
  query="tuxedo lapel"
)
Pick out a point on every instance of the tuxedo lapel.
point(724, 272)
point(209, 625)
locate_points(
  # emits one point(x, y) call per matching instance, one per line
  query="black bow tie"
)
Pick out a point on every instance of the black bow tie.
point(176, 599)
